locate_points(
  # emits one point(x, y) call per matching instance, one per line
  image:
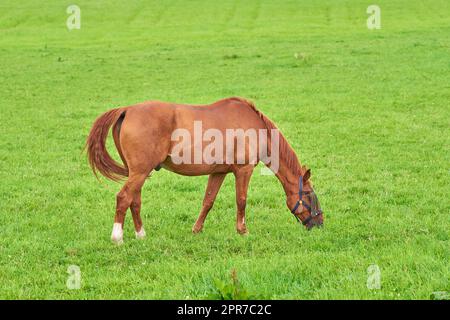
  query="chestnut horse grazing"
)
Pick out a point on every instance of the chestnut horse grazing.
point(147, 137)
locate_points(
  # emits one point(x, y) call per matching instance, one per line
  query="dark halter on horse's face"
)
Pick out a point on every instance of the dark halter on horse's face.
point(313, 210)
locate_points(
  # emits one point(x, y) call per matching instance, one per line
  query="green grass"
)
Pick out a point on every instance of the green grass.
point(367, 110)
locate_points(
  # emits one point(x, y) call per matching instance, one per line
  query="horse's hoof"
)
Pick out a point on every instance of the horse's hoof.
point(242, 232)
point(196, 229)
point(140, 234)
point(117, 242)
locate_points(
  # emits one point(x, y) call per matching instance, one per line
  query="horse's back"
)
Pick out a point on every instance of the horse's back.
point(231, 113)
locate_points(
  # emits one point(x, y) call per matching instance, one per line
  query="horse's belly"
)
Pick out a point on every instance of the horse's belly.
point(194, 169)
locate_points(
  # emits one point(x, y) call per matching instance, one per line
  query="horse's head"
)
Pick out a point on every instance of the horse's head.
point(305, 205)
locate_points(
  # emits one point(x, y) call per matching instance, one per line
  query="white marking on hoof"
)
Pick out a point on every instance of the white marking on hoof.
point(117, 233)
point(140, 234)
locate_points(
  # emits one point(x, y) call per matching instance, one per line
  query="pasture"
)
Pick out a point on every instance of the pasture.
point(367, 110)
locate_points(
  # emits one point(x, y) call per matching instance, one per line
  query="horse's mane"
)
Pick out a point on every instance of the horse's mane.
point(287, 154)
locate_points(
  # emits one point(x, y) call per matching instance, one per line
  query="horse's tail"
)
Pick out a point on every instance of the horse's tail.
point(99, 158)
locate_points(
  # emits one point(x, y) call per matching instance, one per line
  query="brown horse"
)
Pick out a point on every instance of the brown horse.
point(147, 137)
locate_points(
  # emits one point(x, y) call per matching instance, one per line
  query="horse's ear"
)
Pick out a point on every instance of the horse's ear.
point(307, 175)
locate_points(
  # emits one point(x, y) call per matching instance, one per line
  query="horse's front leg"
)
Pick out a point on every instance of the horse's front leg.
point(214, 182)
point(242, 180)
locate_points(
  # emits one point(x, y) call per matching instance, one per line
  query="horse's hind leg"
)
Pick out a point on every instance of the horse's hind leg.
point(214, 182)
point(129, 196)
point(136, 213)
point(143, 145)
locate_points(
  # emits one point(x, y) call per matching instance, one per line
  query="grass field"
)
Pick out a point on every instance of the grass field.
point(367, 110)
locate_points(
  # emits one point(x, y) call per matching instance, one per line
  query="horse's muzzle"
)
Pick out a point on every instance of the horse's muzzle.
point(316, 221)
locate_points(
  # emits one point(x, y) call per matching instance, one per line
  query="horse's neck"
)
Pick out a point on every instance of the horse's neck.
point(288, 179)
point(289, 168)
